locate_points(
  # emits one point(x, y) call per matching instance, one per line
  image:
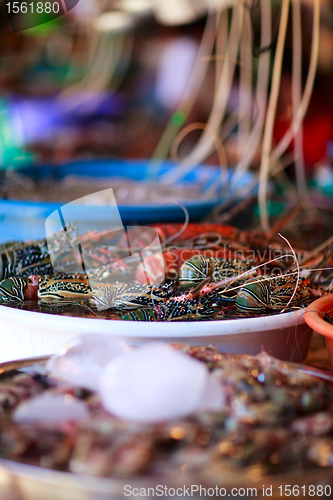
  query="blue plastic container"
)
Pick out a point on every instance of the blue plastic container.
point(22, 220)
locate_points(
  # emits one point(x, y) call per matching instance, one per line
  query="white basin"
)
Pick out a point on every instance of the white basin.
point(25, 333)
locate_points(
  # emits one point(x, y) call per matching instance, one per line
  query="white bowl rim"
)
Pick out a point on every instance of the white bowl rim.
point(138, 329)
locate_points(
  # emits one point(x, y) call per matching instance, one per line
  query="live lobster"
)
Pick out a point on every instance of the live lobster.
point(150, 303)
point(210, 277)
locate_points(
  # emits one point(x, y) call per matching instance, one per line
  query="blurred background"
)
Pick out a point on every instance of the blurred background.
point(121, 79)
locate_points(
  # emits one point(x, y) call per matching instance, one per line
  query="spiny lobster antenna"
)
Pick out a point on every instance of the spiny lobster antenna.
point(298, 271)
point(327, 246)
point(250, 271)
point(187, 218)
point(207, 245)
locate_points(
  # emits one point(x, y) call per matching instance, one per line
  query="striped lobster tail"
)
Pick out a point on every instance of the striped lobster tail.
point(12, 290)
point(142, 314)
point(271, 293)
point(254, 296)
point(194, 270)
point(198, 268)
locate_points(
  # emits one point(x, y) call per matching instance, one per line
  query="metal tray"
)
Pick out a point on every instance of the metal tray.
point(19, 481)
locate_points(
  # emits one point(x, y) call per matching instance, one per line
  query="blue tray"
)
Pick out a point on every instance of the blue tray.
point(21, 220)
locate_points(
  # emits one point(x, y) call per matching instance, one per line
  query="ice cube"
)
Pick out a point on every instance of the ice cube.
point(84, 358)
point(153, 384)
point(214, 398)
point(50, 408)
